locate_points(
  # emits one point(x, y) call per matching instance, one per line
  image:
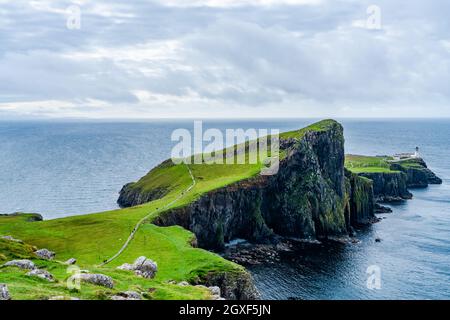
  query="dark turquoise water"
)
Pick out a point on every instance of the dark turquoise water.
point(68, 168)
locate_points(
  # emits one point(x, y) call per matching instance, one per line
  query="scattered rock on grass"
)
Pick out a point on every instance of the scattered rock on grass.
point(183, 284)
point(43, 274)
point(4, 293)
point(11, 239)
point(142, 266)
point(45, 254)
point(22, 264)
point(145, 267)
point(71, 261)
point(127, 295)
point(97, 279)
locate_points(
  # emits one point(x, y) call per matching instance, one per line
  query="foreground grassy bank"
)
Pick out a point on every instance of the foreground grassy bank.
point(93, 238)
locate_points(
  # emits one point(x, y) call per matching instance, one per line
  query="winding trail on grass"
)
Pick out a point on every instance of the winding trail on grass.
point(137, 226)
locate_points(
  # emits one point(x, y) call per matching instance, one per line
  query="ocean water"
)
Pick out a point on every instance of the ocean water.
point(68, 168)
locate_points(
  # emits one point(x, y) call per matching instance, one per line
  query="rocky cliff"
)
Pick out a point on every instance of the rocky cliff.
point(359, 209)
point(309, 198)
point(417, 173)
point(233, 285)
point(389, 186)
point(392, 183)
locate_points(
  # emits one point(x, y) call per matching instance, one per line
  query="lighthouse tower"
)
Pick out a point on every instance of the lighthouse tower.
point(416, 154)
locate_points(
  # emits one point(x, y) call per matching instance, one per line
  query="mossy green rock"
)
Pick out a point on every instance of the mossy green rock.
point(360, 201)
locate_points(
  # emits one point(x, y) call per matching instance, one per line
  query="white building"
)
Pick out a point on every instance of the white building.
point(405, 156)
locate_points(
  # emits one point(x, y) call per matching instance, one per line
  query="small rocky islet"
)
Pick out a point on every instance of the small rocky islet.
point(319, 194)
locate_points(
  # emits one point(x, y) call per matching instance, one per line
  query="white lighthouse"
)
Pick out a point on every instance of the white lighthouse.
point(416, 154)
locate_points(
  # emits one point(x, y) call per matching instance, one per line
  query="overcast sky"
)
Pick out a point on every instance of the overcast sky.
point(219, 58)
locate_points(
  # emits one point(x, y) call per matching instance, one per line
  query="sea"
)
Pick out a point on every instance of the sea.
point(62, 168)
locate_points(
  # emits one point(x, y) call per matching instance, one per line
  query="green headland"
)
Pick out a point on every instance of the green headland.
point(94, 238)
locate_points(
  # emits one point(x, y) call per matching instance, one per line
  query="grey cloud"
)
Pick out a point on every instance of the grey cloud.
point(249, 56)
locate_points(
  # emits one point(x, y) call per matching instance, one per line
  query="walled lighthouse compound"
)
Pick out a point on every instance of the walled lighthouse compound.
point(406, 156)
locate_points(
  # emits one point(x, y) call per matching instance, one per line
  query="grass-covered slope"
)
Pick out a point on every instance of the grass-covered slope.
point(359, 164)
point(169, 177)
point(94, 238)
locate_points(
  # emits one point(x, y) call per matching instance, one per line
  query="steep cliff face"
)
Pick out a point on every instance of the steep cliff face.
point(307, 199)
point(224, 214)
point(417, 173)
point(389, 186)
point(359, 209)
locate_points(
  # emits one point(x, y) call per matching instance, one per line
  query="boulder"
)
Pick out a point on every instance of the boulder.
point(127, 295)
point(71, 261)
point(145, 267)
point(97, 279)
point(142, 267)
point(22, 264)
point(4, 292)
point(215, 291)
point(183, 284)
point(43, 274)
point(45, 254)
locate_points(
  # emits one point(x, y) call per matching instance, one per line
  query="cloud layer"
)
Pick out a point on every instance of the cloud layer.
point(231, 58)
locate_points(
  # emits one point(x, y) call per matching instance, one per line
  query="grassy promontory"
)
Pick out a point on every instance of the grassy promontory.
point(94, 238)
point(369, 164)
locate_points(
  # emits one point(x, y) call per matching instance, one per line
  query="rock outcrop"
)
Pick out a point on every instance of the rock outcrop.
point(129, 196)
point(232, 285)
point(31, 217)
